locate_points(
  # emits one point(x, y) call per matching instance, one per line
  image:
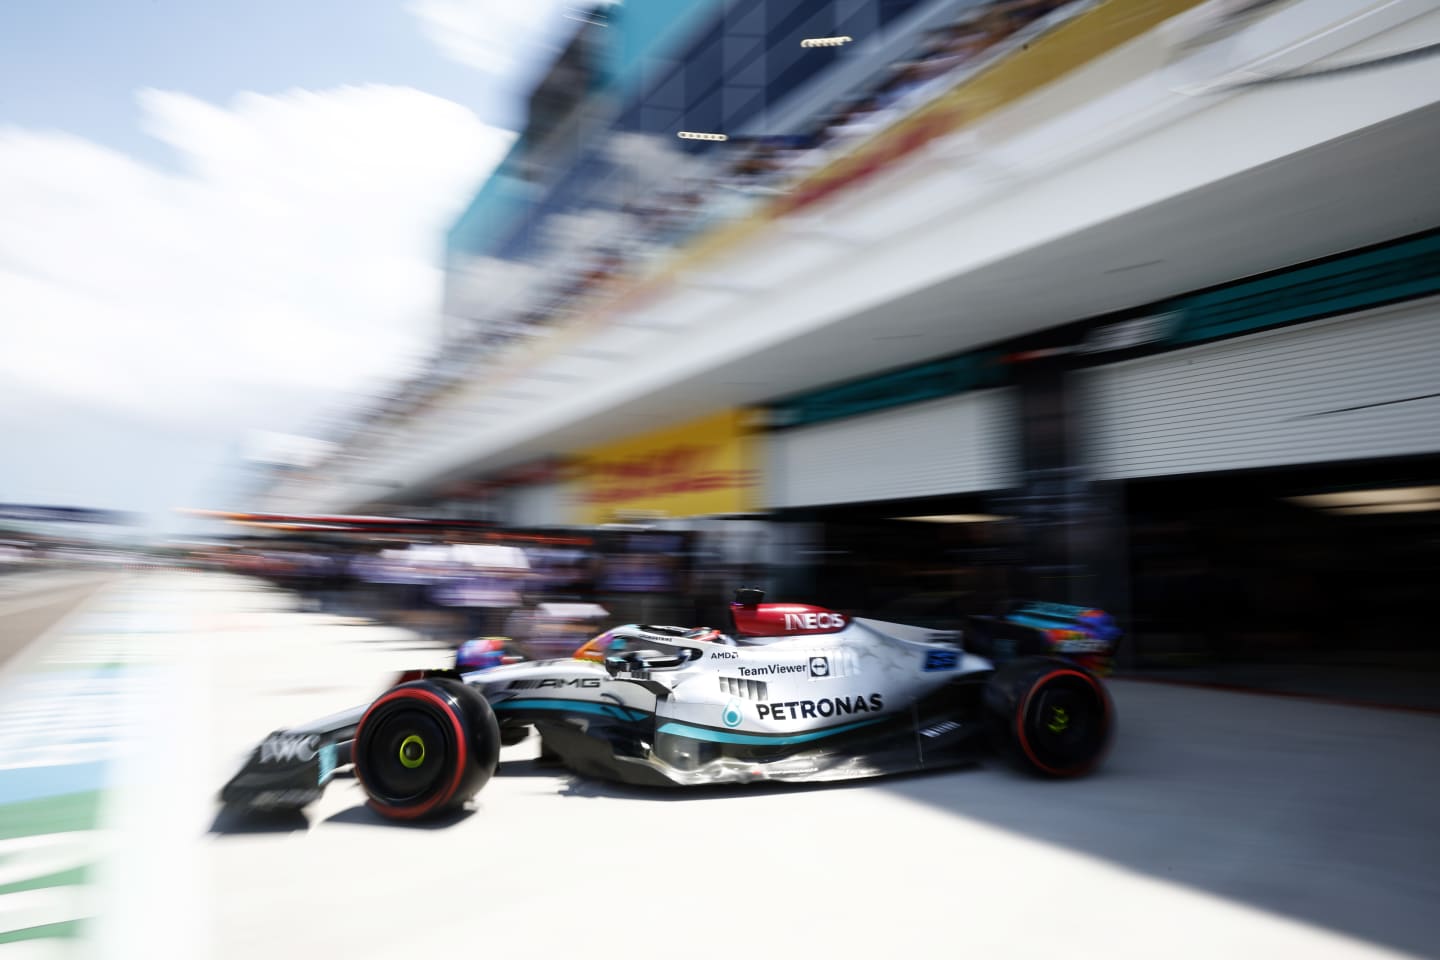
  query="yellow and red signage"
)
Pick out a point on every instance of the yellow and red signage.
point(701, 468)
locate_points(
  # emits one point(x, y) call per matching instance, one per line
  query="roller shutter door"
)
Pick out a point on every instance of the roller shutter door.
point(955, 445)
point(1347, 388)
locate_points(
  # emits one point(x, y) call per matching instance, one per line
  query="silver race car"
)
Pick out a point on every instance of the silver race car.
point(795, 693)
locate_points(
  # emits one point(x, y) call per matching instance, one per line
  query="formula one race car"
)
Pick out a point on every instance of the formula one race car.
point(800, 693)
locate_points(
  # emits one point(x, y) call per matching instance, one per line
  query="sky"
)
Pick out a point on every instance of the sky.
point(226, 217)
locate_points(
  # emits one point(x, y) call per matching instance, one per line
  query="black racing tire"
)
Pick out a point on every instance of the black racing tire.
point(424, 748)
point(1048, 717)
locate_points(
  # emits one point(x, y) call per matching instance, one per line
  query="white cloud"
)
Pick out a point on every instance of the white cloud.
point(493, 36)
point(295, 253)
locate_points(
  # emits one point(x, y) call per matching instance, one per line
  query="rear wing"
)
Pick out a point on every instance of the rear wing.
point(1086, 635)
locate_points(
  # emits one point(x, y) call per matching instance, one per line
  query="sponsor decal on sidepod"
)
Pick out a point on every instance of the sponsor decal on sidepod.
point(774, 669)
point(282, 748)
point(589, 682)
point(941, 660)
point(823, 707)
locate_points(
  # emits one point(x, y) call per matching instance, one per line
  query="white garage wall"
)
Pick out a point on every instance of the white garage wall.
point(1363, 385)
point(538, 505)
point(954, 445)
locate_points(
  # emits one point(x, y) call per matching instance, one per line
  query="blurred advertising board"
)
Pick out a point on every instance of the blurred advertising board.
point(47, 514)
point(703, 467)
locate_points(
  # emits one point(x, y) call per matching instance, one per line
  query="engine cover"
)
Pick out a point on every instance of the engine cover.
point(785, 619)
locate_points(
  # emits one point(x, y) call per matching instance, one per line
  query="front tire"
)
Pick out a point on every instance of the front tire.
point(1049, 717)
point(424, 748)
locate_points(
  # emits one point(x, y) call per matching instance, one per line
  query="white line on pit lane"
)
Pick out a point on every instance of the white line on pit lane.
point(66, 717)
point(24, 858)
point(155, 902)
point(39, 908)
point(52, 948)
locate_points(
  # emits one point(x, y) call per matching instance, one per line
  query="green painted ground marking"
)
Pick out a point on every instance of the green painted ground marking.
point(62, 814)
point(66, 930)
point(62, 879)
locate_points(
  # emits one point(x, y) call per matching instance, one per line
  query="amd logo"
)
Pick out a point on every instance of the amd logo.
point(724, 655)
point(813, 621)
point(287, 748)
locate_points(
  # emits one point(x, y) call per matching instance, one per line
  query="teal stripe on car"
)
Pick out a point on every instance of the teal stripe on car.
point(759, 740)
point(571, 706)
point(1043, 623)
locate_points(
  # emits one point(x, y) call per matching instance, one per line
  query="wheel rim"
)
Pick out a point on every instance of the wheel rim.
point(412, 751)
point(408, 752)
point(1065, 723)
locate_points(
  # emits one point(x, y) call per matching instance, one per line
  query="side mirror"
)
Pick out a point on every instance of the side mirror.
point(749, 596)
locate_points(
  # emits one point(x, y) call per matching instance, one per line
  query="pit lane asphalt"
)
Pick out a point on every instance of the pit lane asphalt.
point(31, 602)
point(1223, 824)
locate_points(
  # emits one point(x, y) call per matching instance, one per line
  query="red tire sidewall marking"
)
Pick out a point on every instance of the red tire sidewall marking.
point(411, 693)
point(1025, 710)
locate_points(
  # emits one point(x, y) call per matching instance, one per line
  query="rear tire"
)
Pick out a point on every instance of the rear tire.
point(424, 748)
point(1049, 717)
